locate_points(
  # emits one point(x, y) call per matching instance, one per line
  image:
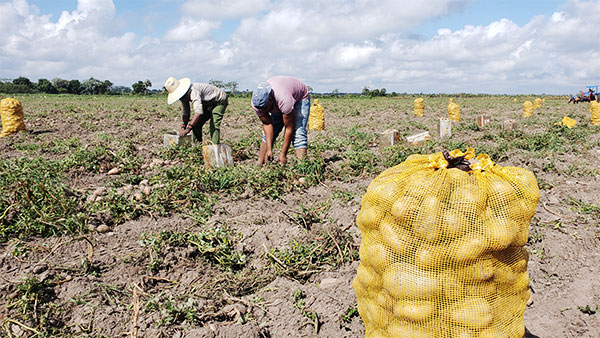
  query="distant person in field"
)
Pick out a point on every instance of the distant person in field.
point(209, 104)
point(282, 103)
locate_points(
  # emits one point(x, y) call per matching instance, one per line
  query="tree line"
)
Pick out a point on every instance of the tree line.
point(90, 86)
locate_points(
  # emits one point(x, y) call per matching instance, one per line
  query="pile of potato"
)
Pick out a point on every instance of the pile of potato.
point(419, 107)
point(453, 111)
point(442, 249)
point(527, 109)
point(595, 111)
point(11, 113)
point(537, 103)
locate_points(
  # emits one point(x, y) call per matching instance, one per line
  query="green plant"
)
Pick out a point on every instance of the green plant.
point(311, 316)
point(346, 317)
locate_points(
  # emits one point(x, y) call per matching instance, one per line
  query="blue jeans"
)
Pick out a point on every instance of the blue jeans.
point(300, 140)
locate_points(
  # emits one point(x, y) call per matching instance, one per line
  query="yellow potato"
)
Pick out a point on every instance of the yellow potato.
point(474, 313)
point(418, 187)
point(487, 290)
point(406, 280)
point(360, 290)
point(404, 208)
point(369, 219)
point(500, 193)
point(453, 224)
point(427, 225)
point(377, 316)
point(431, 256)
point(468, 197)
point(409, 331)
point(377, 334)
point(456, 177)
point(452, 288)
point(395, 236)
point(480, 271)
point(469, 248)
point(385, 195)
point(384, 300)
point(377, 256)
point(461, 332)
point(500, 232)
point(368, 277)
point(522, 237)
point(412, 310)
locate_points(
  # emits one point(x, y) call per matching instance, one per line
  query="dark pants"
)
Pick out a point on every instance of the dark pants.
point(213, 113)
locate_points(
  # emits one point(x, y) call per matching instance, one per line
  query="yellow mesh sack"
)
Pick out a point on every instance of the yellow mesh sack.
point(316, 118)
point(419, 107)
point(11, 113)
point(595, 111)
point(442, 248)
point(567, 121)
point(527, 109)
point(537, 103)
point(453, 111)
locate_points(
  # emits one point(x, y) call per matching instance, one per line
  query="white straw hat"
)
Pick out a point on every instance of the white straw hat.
point(176, 88)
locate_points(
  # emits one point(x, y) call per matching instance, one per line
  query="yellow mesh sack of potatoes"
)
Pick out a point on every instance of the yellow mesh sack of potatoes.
point(316, 118)
point(453, 111)
point(11, 113)
point(567, 121)
point(442, 248)
point(419, 107)
point(527, 109)
point(595, 111)
point(537, 103)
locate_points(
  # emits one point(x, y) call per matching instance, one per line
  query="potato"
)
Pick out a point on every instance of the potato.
point(369, 219)
point(500, 193)
point(456, 177)
point(453, 224)
point(500, 232)
point(384, 299)
point(427, 224)
point(368, 277)
point(480, 271)
point(404, 209)
point(360, 289)
point(452, 288)
point(394, 236)
point(431, 256)
point(377, 255)
point(412, 310)
point(469, 248)
point(406, 280)
point(474, 313)
point(377, 334)
point(409, 331)
point(378, 316)
point(468, 197)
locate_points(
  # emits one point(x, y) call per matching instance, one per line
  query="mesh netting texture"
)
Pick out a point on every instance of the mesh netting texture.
point(442, 252)
point(419, 107)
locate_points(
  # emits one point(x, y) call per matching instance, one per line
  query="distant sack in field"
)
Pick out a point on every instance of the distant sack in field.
point(12, 116)
point(316, 118)
point(442, 252)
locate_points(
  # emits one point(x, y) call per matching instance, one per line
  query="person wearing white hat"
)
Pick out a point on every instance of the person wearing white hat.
point(209, 103)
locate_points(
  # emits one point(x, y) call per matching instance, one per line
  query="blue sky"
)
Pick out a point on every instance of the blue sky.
point(450, 46)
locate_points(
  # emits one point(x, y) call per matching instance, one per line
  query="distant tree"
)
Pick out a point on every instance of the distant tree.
point(375, 92)
point(382, 92)
point(105, 88)
point(61, 85)
point(120, 90)
point(230, 87)
point(335, 92)
point(24, 82)
point(74, 87)
point(394, 94)
point(141, 87)
point(45, 86)
point(366, 91)
point(92, 86)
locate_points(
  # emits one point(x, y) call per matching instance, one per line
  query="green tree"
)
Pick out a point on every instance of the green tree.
point(366, 91)
point(24, 82)
point(61, 85)
point(141, 87)
point(74, 87)
point(45, 86)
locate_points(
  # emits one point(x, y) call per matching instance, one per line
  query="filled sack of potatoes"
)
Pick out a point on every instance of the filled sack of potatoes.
point(11, 112)
point(442, 251)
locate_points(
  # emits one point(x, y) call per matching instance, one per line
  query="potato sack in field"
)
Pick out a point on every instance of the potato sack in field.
point(11, 112)
point(442, 251)
point(316, 117)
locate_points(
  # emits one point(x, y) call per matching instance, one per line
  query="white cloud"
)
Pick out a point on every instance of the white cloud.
point(224, 9)
point(190, 30)
point(336, 44)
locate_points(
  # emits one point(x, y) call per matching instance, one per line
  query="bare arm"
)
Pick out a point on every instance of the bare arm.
point(266, 151)
point(289, 121)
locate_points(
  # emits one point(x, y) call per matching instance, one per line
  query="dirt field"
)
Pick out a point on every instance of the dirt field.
point(161, 247)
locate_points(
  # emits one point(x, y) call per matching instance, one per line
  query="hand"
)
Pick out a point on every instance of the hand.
point(282, 158)
point(269, 156)
point(183, 132)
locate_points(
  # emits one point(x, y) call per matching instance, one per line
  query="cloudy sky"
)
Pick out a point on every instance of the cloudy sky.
point(433, 46)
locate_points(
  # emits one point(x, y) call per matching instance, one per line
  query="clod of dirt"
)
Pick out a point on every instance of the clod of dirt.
point(146, 190)
point(329, 283)
point(91, 198)
point(39, 268)
point(302, 180)
point(114, 171)
point(91, 227)
point(100, 191)
point(102, 228)
point(144, 182)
